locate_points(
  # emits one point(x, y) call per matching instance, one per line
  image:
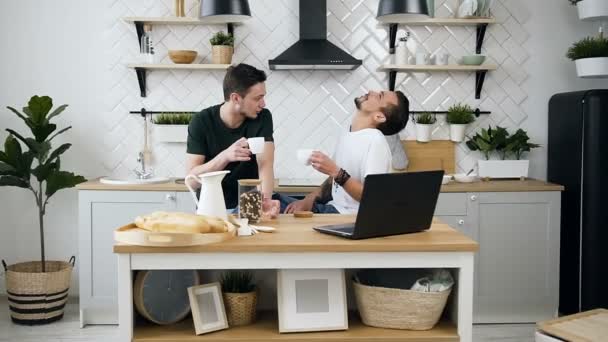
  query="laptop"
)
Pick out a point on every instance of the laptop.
point(391, 204)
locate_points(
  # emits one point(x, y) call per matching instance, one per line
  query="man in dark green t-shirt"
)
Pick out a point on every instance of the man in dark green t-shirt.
point(217, 136)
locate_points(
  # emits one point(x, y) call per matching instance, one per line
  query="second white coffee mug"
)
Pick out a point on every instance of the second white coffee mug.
point(422, 58)
point(442, 59)
point(304, 156)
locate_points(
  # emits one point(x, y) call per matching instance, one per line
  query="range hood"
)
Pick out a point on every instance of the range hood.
point(313, 51)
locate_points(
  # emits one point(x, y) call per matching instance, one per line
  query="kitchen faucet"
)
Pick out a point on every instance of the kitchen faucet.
point(142, 174)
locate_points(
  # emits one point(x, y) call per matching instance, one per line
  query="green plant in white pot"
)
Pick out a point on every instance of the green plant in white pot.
point(459, 117)
point(172, 127)
point(37, 291)
point(591, 10)
point(590, 56)
point(424, 126)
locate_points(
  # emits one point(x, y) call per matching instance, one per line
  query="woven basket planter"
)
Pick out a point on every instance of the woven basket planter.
point(399, 309)
point(240, 308)
point(221, 54)
point(37, 298)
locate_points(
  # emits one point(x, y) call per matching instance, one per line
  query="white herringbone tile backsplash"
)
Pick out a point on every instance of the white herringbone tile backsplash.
point(309, 107)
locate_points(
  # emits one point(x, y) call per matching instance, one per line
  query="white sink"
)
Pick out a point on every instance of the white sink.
point(133, 181)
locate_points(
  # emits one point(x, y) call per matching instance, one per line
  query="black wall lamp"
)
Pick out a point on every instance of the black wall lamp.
point(225, 11)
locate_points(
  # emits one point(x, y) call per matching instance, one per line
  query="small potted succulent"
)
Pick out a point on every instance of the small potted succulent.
point(591, 10)
point(222, 48)
point(240, 297)
point(172, 127)
point(591, 56)
point(498, 142)
point(424, 126)
point(459, 117)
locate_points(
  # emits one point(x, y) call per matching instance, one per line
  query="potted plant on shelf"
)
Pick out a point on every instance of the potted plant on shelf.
point(240, 297)
point(589, 10)
point(172, 127)
point(459, 117)
point(591, 56)
point(499, 142)
point(37, 290)
point(222, 48)
point(424, 126)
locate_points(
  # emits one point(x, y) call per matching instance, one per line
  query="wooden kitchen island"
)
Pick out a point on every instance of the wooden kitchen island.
point(296, 246)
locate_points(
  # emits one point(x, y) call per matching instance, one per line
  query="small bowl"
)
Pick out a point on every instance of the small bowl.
point(182, 56)
point(463, 178)
point(473, 60)
point(446, 180)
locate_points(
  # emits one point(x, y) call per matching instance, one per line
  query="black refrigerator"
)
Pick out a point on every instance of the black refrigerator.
point(578, 160)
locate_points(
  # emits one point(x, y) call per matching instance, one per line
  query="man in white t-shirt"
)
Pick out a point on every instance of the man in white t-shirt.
point(360, 152)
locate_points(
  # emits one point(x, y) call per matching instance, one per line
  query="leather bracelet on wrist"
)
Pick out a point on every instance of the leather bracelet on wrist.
point(342, 177)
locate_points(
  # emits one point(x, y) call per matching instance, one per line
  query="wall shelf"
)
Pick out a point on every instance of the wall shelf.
point(480, 71)
point(141, 70)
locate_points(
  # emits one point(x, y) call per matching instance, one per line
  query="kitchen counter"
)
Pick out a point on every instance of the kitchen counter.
point(528, 185)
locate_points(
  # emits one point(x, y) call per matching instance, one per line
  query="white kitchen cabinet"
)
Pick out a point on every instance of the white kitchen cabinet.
point(100, 213)
point(517, 266)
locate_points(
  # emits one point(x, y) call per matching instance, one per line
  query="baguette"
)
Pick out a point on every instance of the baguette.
point(174, 222)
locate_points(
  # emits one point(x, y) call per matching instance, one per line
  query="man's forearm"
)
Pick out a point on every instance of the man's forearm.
point(218, 163)
point(354, 188)
point(267, 176)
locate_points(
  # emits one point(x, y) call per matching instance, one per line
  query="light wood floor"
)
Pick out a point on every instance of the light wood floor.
point(67, 330)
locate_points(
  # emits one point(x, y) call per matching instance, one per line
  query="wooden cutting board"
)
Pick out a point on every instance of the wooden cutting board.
point(431, 156)
point(131, 235)
point(589, 326)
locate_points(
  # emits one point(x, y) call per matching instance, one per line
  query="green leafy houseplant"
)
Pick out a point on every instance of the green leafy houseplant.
point(488, 141)
point(221, 38)
point(589, 47)
point(519, 143)
point(425, 119)
point(44, 176)
point(173, 119)
point(460, 114)
point(237, 282)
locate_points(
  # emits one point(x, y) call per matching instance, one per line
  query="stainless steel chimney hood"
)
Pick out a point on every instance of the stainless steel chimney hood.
point(313, 51)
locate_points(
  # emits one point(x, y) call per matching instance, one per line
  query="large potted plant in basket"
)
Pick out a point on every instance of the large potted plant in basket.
point(590, 56)
point(222, 48)
point(459, 116)
point(172, 127)
point(498, 142)
point(590, 10)
point(240, 297)
point(37, 290)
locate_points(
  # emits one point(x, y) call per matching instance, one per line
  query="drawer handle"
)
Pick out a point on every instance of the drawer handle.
point(473, 198)
point(170, 197)
point(460, 222)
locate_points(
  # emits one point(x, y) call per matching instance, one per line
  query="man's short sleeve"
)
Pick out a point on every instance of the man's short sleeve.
point(378, 157)
point(196, 136)
point(267, 128)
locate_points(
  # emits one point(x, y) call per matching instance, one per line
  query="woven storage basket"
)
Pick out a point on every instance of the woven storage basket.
point(240, 308)
point(399, 309)
point(221, 54)
point(37, 298)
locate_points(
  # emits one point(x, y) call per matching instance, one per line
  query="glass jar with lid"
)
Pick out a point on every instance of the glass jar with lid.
point(250, 200)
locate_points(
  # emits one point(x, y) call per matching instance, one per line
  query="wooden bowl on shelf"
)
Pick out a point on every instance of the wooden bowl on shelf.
point(182, 56)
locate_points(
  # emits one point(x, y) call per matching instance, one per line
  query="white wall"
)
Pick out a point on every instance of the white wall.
point(59, 49)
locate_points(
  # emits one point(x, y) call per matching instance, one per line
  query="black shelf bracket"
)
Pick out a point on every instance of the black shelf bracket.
point(480, 77)
point(230, 28)
point(141, 79)
point(392, 77)
point(481, 33)
point(139, 28)
point(392, 32)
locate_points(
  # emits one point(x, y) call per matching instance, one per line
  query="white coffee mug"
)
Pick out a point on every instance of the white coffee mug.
point(442, 59)
point(422, 58)
point(304, 156)
point(256, 145)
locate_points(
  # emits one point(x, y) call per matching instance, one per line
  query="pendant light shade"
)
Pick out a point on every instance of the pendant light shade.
point(225, 10)
point(391, 11)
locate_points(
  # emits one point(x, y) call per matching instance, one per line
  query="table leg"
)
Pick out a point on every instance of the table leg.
point(464, 299)
point(125, 298)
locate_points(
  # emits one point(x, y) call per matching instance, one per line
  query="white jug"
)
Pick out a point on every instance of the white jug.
point(211, 202)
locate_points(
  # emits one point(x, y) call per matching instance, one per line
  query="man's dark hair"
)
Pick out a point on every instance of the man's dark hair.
point(239, 78)
point(396, 115)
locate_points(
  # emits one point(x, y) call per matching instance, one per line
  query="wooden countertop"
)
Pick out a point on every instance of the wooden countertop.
point(480, 186)
point(295, 235)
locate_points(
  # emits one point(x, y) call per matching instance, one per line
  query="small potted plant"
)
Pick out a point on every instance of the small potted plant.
point(37, 289)
point(172, 127)
point(500, 143)
point(240, 297)
point(424, 126)
point(459, 117)
point(589, 10)
point(591, 56)
point(222, 48)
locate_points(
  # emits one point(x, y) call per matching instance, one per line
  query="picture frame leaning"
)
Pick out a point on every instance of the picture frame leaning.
point(208, 311)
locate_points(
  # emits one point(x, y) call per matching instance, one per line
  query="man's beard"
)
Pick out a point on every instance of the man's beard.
point(359, 100)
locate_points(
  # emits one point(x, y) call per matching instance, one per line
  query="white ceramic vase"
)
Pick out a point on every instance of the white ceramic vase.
point(592, 67)
point(593, 10)
point(424, 132)
point(503, 168)
point(457, 132)
point(171, 133)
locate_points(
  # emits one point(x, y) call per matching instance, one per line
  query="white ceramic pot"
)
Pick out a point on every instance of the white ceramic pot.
point(592, 67)
point(424, 132)
point(503, 168)
point(171, 133)
point(457, 132)
point(593, 10)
